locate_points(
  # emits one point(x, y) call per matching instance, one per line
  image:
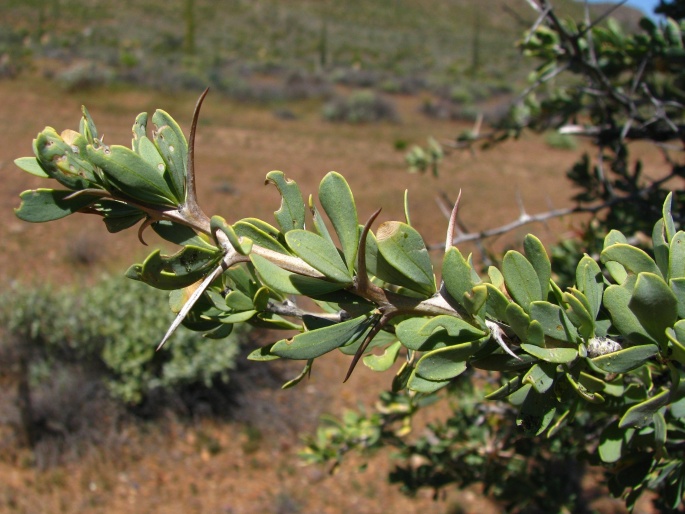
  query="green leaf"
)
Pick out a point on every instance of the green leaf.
point(631, 258)
point(625, 360)
point(554, 322)
point(222, 332)
point(642, 414)
point(496, 303)
point(537, 411)
point(132, 175)
point(506, 389)
point(338, 203)
point(537, 256)
point(456, 273)
point(172, 145)
point(377, 266)
point(475, 299)
point(319, 253)
point(423, 385)
point(175, 271)
point(669, 226)
point(31, 165)
point(117, 215)
point(262, 354)
point(404, 249)
point(304, 373)
point(583, 392)
point(616, 300)
point(676, 262)
point(239, 301)
point(260, 233)
point(40, 205)
point(613, 441)
point(148, 151)
point(616, 270)
point(445, 363)
point(579, 312)
point(503, 362)
point(87, 126)
point(181, 235)
point(654, 305)
point(678, 288)
point(521, 279)
point(65, 161)
point(315, 343)
point(318, 221)
point(290, 216)
point(660, 247)
point(422, 334)
point(541, 376)
point(555, 353)
point(219, 224)
point(282, 281)
point(518, 320)
point(386, 360)
point(590, 282)
point(139, 130)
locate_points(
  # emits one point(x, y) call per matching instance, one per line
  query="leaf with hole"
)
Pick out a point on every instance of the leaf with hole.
point(384, 361)
point(290, 216)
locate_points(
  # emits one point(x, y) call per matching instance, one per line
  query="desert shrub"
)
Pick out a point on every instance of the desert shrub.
point(360, 107)
point(107, 326)
point(84, 75)
point(561, 141)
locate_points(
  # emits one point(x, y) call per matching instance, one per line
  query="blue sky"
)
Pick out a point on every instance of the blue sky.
point(646, 5)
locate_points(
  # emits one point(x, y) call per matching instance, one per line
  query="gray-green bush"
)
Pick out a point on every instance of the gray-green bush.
point(115, 323)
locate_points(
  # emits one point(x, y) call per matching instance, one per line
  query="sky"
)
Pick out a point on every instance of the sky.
point(645, 5)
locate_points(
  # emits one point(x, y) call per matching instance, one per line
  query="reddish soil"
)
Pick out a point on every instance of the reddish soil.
point(229, 466)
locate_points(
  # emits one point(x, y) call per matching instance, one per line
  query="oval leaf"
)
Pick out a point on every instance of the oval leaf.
point(315, 343)
point(654, 305)
point(319, 253)
point(625, 360)
point(338, 203)
point(404, 249)
point(41, 205)
point(521, 279)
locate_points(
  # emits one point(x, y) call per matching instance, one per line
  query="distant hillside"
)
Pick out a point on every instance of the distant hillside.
point(392, 45)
